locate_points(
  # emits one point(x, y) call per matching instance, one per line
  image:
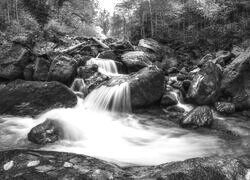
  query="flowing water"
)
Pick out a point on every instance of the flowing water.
point(106, 66)
point(103, 126)
point(181, 104)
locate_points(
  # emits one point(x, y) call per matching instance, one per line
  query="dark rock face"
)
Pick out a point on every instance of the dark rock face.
point(41, 71)
point(47, 132)
point(151, 46)
point(13, 62)
point(136, 60)
point(205, 59)
point(225, 107)
point(27, 164)
point(63, 69)
point(147, 86)
point(199, 117)
point(86, 72)
point(28, 72)
point(235, 82)
point(205, 87)
point(108, 55)
point(32, 98)
point(168, 99)
point(122, 46)
point(169, 62)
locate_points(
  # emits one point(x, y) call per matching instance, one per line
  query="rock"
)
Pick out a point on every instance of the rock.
point(151, 46)
point(58, 165)
point(81, 60)
point(236, 51)
point(89, 50)
point(225, 107)
point(182, 77)
point(86, 72)
point(108, 55)
point(172, 70)
point(169, 62)
point(47, 132)
point(235, 81)
point(25, 40)
point(147, 87)
point(168, 99)
point(63, 69)
point(136, 60)
point(122, 46)
point(199, 117)
point(185, 85)
point(13, 61)
point(32, 98)
point(28, 72)
point(96, 80)
point(205, 59)
point(205, 87)
point(41, 71)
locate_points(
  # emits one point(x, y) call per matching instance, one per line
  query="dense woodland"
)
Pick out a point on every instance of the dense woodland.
point(211, 22)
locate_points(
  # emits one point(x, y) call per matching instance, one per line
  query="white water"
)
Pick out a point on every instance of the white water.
point(181, 104)
point(105, 66)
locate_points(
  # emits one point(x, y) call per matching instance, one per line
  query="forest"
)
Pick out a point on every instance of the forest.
point(125, 89)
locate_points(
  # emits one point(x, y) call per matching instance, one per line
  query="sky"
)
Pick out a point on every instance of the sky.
point(108, 5)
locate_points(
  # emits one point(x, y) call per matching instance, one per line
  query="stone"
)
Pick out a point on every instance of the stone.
point(236, 51)
point(63, 69)
point(108, 55)
point(86, 72)
point(28, 72)
point(137, 60)
point(205, 59)
point(201, 116)
point(205, 87)
point(13, 61)
point(49, 131)
point(41, 70)
point(122, 46)
point(31, 98)
point(169, 62)
point(235, 81)
point(168, 99)
point(225, 107)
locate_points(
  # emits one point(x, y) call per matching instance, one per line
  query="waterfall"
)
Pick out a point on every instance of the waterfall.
point(115, 98)
point(106, 66)
point(180, 101)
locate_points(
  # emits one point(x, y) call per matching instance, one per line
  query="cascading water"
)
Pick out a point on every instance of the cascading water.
point(95, 128)
point(106, 66)
point(180, 101)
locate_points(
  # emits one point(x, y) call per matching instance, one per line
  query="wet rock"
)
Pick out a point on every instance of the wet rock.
point(51, 166)
point(28, 72)
point(108, 55)
point(136, 60)
point(63, 69)
point(186, 84)
point(225, 107)
point(147, 87)
point(41, 70)
point(47, 132)
point(235, 81)
point(96, 80)
point(86, 72)
point(168, 99)
point(199, 117)
point(32, 98)
point(81, 60)
point(169, 62)
point(205, 87)
point(122, 46)
point(236, 51)
point(13, 61)
point(151, 45)
point(172, 70)
point(205, 59)
point(182, 77)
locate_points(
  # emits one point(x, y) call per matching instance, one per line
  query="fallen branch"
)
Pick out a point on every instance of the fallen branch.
point(100, 43)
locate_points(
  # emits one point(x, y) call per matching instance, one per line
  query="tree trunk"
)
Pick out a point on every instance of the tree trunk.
point(151, 18)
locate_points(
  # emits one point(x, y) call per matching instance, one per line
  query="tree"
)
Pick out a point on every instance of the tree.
point(103, 21)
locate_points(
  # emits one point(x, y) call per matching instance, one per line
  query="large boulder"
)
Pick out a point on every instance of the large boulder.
point(122, 46)
point(13, 62)
point(110, 54)
point(168, 99)
point(147, 87)
point(63, 69)
point(29, 164)
point(199, 117)
point(32, 98)
point(151, 46)
point(136, 60)
point(225, 107)
point(41, 70)
point(236, 82)
point(49, 131)
point(205, 87)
